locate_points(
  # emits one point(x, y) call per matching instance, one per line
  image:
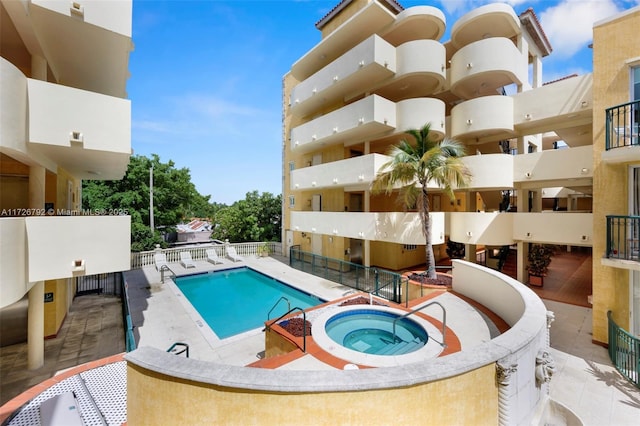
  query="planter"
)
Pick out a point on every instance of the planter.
point(536, 280)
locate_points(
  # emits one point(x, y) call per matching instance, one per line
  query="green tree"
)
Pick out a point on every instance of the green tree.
point(413, 167)
point(256, 218)
point(175, 198)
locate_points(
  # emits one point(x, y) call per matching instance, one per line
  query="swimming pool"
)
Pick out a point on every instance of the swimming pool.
point(237, 300)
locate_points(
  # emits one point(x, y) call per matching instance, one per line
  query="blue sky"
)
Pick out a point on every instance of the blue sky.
point(206, 77)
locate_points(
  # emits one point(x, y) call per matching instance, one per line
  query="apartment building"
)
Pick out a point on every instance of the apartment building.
point(65, 118)
point(616, 187)
point(380, 70)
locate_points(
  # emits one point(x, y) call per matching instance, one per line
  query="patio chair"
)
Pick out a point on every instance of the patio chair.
point(233, 255)
point(212, 257)
point(160, 259)
point(186, 260)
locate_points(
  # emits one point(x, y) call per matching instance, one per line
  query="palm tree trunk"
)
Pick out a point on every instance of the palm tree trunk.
point(426, 224)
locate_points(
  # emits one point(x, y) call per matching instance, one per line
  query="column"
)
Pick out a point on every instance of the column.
point(470, 249)
point(504, 373)
point(35, 312)
point(38, 68)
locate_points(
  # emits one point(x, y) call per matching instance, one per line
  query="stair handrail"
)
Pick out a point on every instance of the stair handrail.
point(276, 304)
point(304, 325)
point(419, 308)
point(166, 268)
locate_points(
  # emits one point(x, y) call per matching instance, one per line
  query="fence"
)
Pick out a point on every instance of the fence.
point(380, 282)
point(623, 237)
point(110, 284)
point(129, 338)
point(624, 351)
point(145, 258)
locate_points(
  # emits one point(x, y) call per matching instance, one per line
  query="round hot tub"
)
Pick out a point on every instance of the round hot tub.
point(376, 336)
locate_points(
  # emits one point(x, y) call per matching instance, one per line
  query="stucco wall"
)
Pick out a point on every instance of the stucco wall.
point(615, 42)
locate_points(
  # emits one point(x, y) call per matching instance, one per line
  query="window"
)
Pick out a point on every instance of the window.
point(410, 247)
point(292, 166)
point(292, 200)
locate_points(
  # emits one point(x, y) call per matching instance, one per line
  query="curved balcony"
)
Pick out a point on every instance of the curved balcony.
point(415, 113)
point(484, 116)
point(420, 70)
point(88, 134)
point(416, 23)
point(392, 227)
point(353, 173)
point(490, 171)
point(365, 118)
point(371, 61)
point(480, 68)
point(492, 20)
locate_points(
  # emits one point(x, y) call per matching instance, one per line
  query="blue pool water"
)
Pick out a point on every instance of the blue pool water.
point(239, 300)
point(371, 331)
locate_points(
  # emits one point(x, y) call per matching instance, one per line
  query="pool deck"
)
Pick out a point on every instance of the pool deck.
point(150, 301)
point(585, 381)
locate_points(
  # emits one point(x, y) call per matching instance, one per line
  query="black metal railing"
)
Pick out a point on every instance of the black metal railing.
point(129, 337)
point(109, 284)
point(383, 283)
point(624, 351)
point(623, 237)
point(623, 123)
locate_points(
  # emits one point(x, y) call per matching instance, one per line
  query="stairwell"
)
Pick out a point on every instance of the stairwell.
point(510, 266)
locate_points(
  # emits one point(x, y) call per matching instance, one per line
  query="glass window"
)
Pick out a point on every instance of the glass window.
point(292, 200)
point(292, 166)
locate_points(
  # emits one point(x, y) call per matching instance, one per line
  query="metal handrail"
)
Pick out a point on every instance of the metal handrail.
point(624, 351)
point(166, 268)
point(304, 325)
point(444, 322)
point(185, 348)
point(276, 304)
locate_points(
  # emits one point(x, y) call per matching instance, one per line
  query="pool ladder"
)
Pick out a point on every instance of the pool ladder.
point(444, 322)
point(166, 268)
point(184, 350)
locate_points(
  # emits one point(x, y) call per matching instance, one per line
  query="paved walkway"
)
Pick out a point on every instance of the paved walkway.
point(585, 381)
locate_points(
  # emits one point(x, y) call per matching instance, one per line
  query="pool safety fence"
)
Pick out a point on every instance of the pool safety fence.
point(129, 337)
point(199, 252)
point(624, 351)
point(381, 282)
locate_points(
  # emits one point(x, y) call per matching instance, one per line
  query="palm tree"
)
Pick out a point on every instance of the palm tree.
point(413, 167)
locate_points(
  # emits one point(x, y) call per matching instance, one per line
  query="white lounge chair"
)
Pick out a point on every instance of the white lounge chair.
point(212, 257)
point(186, 260)
point(233, 255)
point(160, 259)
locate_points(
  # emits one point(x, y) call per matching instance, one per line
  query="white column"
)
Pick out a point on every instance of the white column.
point(35, 312)
point(38, 68)
point(537, 72)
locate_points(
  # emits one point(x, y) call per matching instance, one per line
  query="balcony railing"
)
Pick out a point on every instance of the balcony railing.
point(623, 123)
point(624, 351)
point(623, 237)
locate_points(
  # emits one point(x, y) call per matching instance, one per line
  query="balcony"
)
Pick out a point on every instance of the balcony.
point(86, 43)
point(490, 171)
point(371, 61)
point(357, 121)
point(354, 173)
point(484, 66)
point(506, 228)
point(86, 133)
point(482, 117)
point(622, 133)
point(623, 238)
point(392, 227)
point(56, 247)
point(557, 167)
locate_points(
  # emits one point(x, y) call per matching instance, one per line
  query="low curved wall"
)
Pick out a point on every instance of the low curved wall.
point(461, 387)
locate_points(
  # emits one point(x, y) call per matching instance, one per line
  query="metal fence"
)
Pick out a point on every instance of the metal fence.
point(623, 237)
point(623, 125)
point(109, 284)
point(624, 351)
point(129, 338)
point(380, 282)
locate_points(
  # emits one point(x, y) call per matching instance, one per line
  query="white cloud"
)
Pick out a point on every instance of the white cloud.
point(569, 24)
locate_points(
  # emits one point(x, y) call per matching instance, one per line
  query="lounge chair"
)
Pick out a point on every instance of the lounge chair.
point(212, 257)
point(186, 260)
point(233, 255)
point(160, 259)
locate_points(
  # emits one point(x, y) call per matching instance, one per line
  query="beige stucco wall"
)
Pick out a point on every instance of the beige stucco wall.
point(615, 42)
point(154, 399)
